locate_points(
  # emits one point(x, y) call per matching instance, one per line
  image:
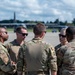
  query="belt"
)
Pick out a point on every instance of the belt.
point(37, 72)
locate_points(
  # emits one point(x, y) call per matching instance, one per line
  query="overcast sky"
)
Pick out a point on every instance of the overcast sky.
point(40, 10)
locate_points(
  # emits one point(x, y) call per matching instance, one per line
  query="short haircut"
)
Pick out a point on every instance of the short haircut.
point(39, 28)
point(2, 28)
point(70, 30)
point(18, 29)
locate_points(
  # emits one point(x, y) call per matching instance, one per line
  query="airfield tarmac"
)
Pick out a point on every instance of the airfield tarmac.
point(50, 37)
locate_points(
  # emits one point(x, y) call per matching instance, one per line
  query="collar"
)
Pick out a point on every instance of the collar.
point(73, 40)
point(15, 42)
point(2, 43)
point(37, 38)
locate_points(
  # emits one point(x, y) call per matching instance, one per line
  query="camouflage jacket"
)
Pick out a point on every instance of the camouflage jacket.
point(5, 62)
point(13, 49)
point(57, 47)
point(66, 56)
point(37, 55)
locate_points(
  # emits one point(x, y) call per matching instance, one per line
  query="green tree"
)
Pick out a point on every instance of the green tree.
point(73, 22)
point(57, 21)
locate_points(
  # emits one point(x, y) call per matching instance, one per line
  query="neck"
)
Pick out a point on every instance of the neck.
point(1, 40)
point(64, 43)
point(36, 36)
point(20, 42)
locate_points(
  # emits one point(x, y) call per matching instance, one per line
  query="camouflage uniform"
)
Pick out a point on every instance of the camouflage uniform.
point(58, 64)
point(57, 47)
point(67, 58)
point(13, 49)
point(5, 63)
point(38, 57)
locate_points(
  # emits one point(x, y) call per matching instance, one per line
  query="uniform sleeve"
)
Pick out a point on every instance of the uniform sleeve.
point(7, 68)
point(5, 64)
point(8, 46)
point(20, 60)
point(60, 55)
point(53, 59)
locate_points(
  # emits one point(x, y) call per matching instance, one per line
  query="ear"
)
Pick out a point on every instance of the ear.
point(42, 34)
point(0, 34)
point(69, 38)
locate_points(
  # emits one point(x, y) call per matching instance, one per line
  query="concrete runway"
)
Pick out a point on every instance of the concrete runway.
point(50, 37)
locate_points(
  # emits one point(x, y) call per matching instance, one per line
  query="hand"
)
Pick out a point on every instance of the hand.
point(12, 62)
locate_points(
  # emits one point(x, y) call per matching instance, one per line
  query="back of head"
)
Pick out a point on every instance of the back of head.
point(39, 28)
point(70, 32)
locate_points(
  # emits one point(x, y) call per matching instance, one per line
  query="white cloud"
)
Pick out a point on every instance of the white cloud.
point(70, 2)
point(32, 4)
point(56, 12)
point(66, 15)
point(46, 10)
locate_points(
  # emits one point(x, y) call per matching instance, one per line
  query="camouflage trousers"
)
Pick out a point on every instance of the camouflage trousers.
point(67, 72)
point(36, 73)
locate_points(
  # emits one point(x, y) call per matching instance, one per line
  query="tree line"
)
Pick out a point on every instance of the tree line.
point(28, 21)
